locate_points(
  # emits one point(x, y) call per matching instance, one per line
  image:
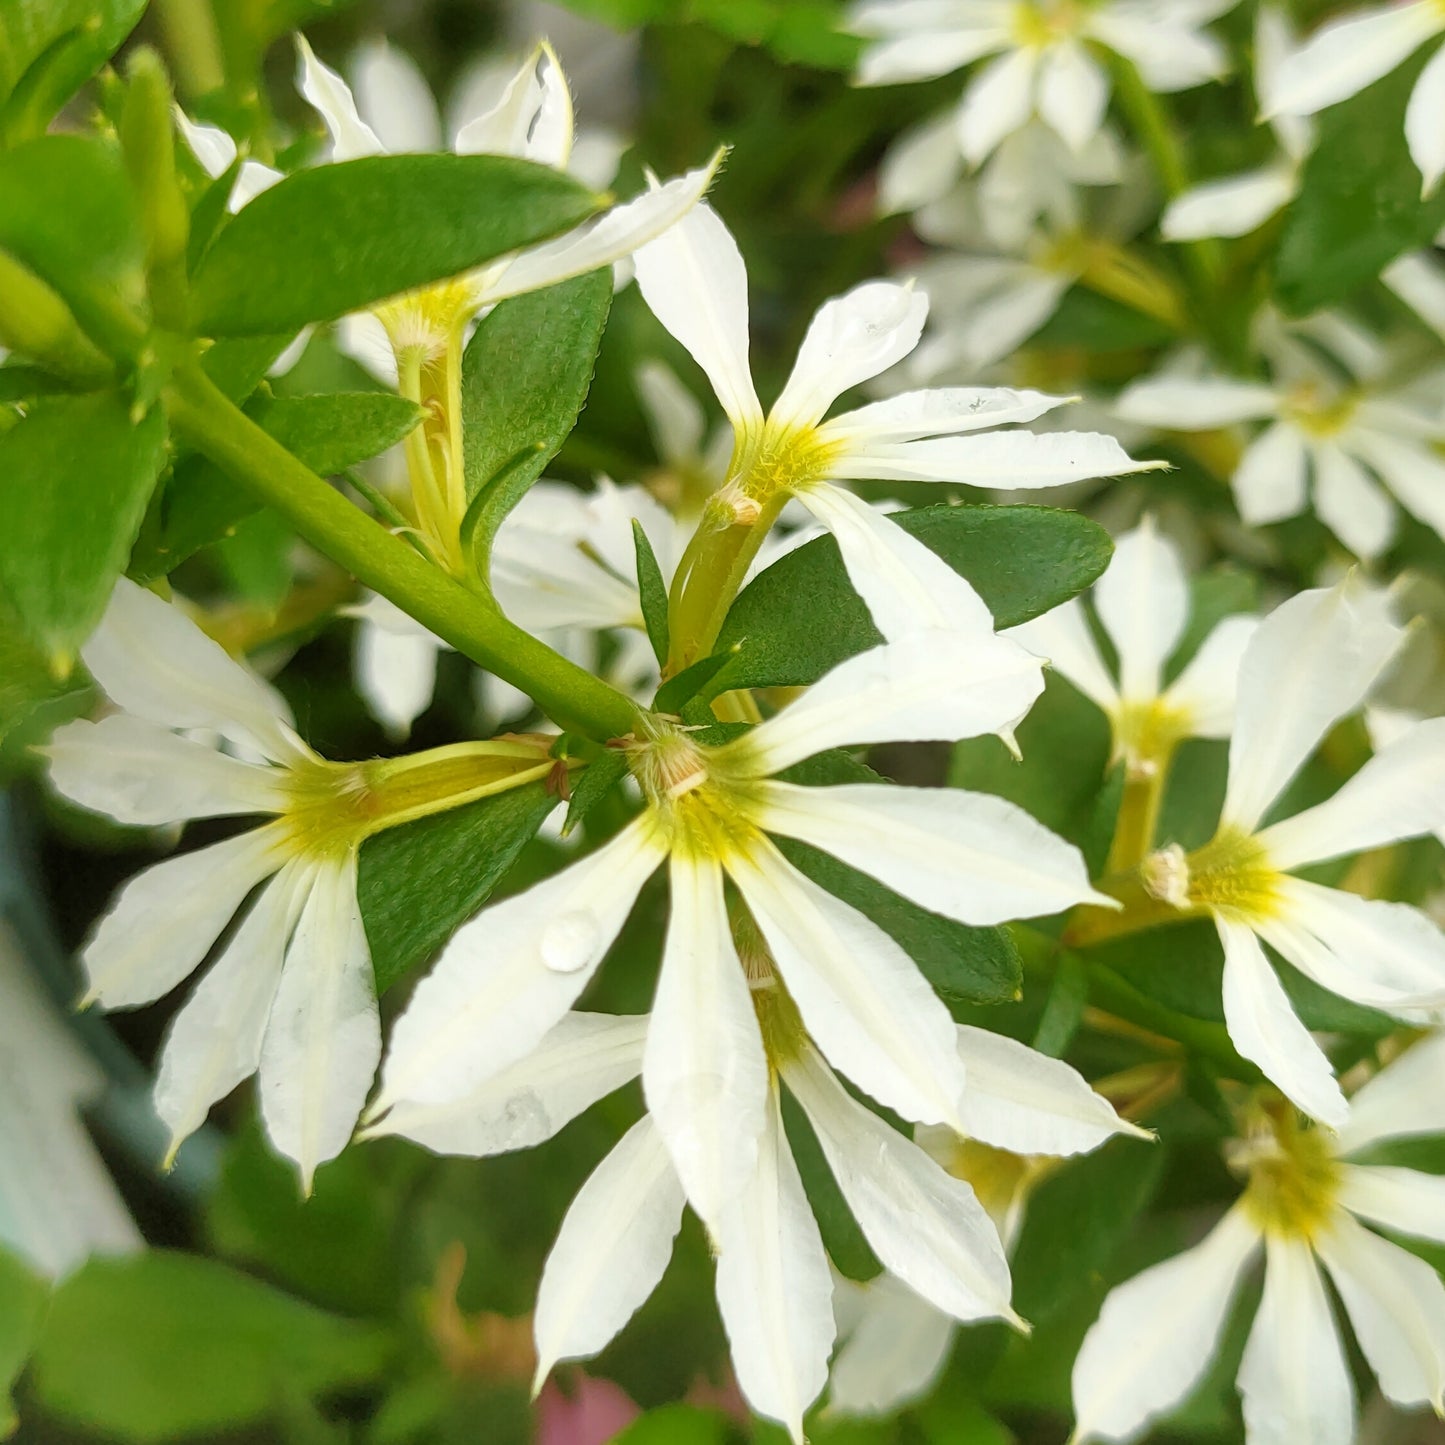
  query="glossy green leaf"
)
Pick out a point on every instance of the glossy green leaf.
point(75, 477)
point(593, 783)
point(163, 1345)
point(801, 616)
point(674, 695)
point(374, 228)
point(419, 881)
point(653, 592)
point(22, 1308)
point(50, 48)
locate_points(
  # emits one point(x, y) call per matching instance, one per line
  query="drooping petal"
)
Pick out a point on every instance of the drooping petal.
point(862, 998)
point(1411, 471)
point(674, 415)
point(1405, 1099)
point(853, 338)
point(396, 671)
point(694, 280)
point(1322, 650)
point(1266, 1030)
point(1190, 404)
point(998, 100)
point(926, 1227)
point(323, 1038)
point(911, 57)
point(532, 120)
point(919, 167)
point(703, 1074)
point(1023, 1101)
point(164, 921)
point(144, 775)
point(583, 1059)
point(773, 1286)
point(1005, 459)
point(1073, 93)
point(969, 856)
point(1143, 602)
point(1170, 52)
point(1404, 1201)
point(1351, 503)
point(319, 84)
point(892, 1355)
point(393, 95)
point(611, 1250)
point(1157, 1333)
point(1063, 638)
point(1269, 483)
point(938, 411)
point(1206, 689)
point(1418, 279)
point(509, 975)
point(1294, 1379)
point(1233, 206)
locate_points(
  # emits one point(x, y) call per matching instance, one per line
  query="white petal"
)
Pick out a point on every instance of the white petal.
point(583, 1059)
point(773, 1286)
point(323, 1038)
point(1265, 1029)
point(1342, 58)
point(1322, 650)
point(396, 673)
point(704, 1075)
point(1063, 638)
point(600, 241)
point(921, 57)
point(919, 167)
point(509, 975)
point(1411, 471)
point(1419, 281)
point(395, 98)
point(611, 1251)
point(212, 147)
point(252, 180)
point(1143, 602)
point(215, 1040)
point(1003, 318)
point(674, 415)
point(925, 1226)
point(1186, 404)
point(936, 412)
point(363, 338)
point(164, 921)
point(1294, 1379)
point(924, 687)
point(1404, 1201)
point(861, 996)
point(1023, 1101)
point(893, 1354)
point(1073, 93)
point(1157, 1333)
point(532, 120)
point(1269, 483)
point(851, 339)
point(1170, 53)
point(969, 856)
point(998, 100)
point(1205, 690)
point(152, 660)
point(351, 137)
point(141, 774)
point(694, 280)
point(1231, 206)
point(1351, 503)
point(1406, 1098)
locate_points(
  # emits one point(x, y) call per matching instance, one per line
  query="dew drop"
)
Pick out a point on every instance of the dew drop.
point(569, 941)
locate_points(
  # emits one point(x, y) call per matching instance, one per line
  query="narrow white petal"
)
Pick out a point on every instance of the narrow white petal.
point(252, 180)
point(926, 1227)
point(1418, 279)
point(694, 280)
point(998, 100)
point(611, 1251)
point(583, 1059)
point(938, 411)
point(674, 415)
point(396, 673)
point(703, 1074)
point(893, 1354)
point(919, 167)
point(1186, 404)
point(997, 322)
point(1063, 638)
point(1205, 691)
point(1005, 459)
point(509, 975)
point(923, 687)
point(1073, 93)
point(1342, 58)
point(861, 996)
point(323, 1038)
point(1157, 1333)
point(351, 137)
point(152, 660)
point(1232, 206)
point(1265, 1029)
point(1269, 483)
point(1294, 1379)
point(1411, 471)
point(143, 775)
point(1351, 503)
point(1170, 54)
point(969, 856)
point(393, 95)
point(532, 120)
point(1405, 1099)
point(773, 1286)
point(1322, 650)
point(164, 921)
point(212, 147)
point(1143, 602)
point(1404, 1201)
point(921, 57)
point(1023, 1101)
point(600, 241)
point(851, 339)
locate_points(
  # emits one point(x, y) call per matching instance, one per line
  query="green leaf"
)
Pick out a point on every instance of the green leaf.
point(677, 692)
point(374, 227)
point(653, 592)
point(597, 780)
point(676, 1425)
point(50, 48)
point(1064, 1008)
point(1359, 202)
point(801, 617)
point(256, 558)
point(75, 477)
point(162, 1345)
point(417, 882)
point(22, 1308)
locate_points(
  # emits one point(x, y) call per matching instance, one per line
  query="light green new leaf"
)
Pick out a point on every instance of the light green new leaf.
point(22, 1308)
point(801, 616)
point(374, 228)
point(75, 477)
point(163, 1345)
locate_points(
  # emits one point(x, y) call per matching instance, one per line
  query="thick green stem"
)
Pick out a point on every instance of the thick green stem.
point(472, 624)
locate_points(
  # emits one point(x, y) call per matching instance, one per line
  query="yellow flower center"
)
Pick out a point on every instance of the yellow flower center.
point(778, 460)
point(1041, 23)
point(1146, 734)
point(1318, 410)
point(1231, 873)
point(1293, 1176)
point(420, 323)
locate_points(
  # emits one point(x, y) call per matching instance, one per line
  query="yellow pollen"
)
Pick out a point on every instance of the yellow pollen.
point(1232, 872)
point(1040, 23)
point(420, 322)
point(1292, 1175)
point(1318, 411)
point(780, 459)
point(691, 788)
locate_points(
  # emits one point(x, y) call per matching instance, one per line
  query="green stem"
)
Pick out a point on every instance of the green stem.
point(473, 625)
point(194, 45)
point(1088, 925)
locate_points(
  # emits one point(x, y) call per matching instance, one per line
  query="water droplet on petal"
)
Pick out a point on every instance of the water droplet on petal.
point(570, 941)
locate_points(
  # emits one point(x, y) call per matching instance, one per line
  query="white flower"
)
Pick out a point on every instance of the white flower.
point(1418, 279)
point(1311, 662)
point(1157, 1334)
point(694, 462)
point(694, 280)
point(1343, 57)
point(1338, 424)
point(1042, 56)
point(58, 1205)
point(1236, 205)
point(216, 151)
point(1143, 603)
point(291, 992)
